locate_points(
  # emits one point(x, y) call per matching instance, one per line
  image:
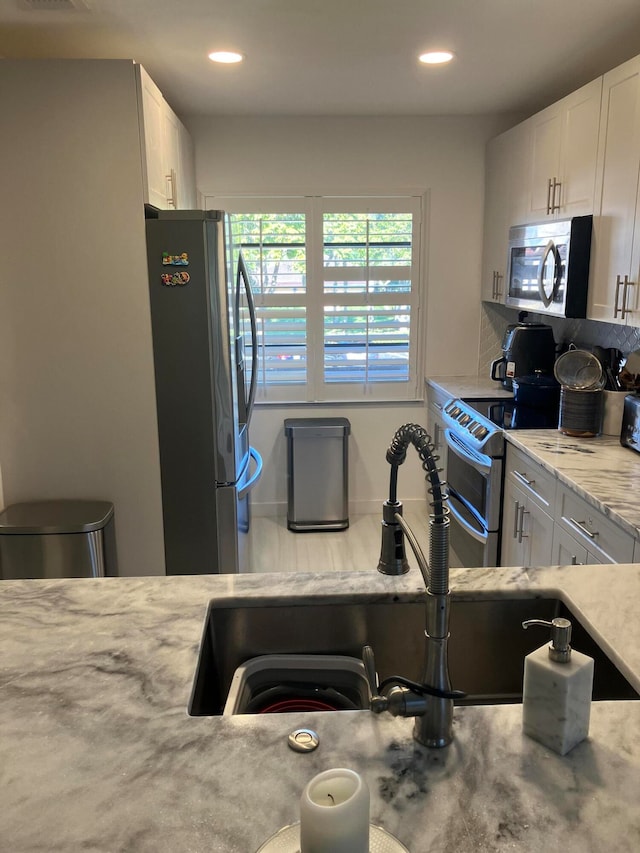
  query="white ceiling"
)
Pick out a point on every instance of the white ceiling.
point(340, 57)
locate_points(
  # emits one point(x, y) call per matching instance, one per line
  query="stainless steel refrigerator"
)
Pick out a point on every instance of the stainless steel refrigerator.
point(203, 324)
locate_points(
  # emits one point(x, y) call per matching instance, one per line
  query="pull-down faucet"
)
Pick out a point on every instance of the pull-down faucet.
point(431, 702)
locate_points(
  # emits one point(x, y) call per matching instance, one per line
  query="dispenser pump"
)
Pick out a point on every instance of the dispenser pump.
point(556, 694)
point(559, 647)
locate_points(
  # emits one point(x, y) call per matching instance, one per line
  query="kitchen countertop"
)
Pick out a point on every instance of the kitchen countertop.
point(97, 752)
point(472, 387)
point(598, 469)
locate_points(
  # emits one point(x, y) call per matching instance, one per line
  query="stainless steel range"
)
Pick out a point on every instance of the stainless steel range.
point(474, 435)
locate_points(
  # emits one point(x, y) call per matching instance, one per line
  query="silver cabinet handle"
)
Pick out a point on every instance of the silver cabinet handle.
point(437, 429)
point(172, 199)
point(625, 295)
point(516, 512)
point(582, 527)
point(523, 478)
point(557, 185)
point(616, 308)
point(521, 534)
point(499, 276)
point(549, 196)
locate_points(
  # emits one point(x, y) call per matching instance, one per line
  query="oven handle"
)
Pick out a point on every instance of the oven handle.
point(479, 536)
point(477, 460)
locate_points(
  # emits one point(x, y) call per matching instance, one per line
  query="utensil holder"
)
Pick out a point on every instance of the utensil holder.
point(580, 412)
point(612, 408)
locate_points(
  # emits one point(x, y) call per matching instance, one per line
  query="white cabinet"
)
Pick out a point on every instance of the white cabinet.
point(505, 197)
point(167, 151)
point(527, 516)
point(564, 145)
point(603, 540)
point(615, 254)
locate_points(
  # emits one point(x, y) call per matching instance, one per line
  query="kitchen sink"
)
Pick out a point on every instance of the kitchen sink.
point(486, 649)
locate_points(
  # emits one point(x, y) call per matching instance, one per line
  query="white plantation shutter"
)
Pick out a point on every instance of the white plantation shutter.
point(337, 295)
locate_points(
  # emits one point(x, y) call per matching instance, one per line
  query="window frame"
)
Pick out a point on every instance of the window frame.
point(315, 389)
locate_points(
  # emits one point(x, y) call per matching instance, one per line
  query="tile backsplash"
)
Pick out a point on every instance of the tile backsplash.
point(583, 333)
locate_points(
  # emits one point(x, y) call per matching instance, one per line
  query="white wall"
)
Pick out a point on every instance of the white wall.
point(77, 396)
point(333, 155)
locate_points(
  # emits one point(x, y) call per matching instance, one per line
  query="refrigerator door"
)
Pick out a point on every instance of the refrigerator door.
point(234, 513)
point(202, 445)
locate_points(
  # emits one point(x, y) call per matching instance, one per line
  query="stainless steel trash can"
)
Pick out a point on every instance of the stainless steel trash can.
point(57, 539)
point(317, 473)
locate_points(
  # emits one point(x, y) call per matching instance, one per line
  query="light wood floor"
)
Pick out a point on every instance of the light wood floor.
point(276, 549)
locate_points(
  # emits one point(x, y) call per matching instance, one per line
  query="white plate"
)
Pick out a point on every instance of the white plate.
point(287, 840)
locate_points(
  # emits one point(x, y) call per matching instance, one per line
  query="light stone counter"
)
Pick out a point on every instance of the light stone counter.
point(468, 387)
point(599, 469)
point(97, 752)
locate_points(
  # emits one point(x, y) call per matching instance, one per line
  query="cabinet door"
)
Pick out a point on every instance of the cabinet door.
point(567, 551)
point(546, 135)
point(537, 531)
point(171, 156)
point(564, 145)
point(617, 191)
point(152, 134)
point(187, 172)
point(513, 544)
point(505, 205)
point(579, 152)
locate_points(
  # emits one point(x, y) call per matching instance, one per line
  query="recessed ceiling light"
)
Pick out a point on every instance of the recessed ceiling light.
point(228, 57)
point(436, 57)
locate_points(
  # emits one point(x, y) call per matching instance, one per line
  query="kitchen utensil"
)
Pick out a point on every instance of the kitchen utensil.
point(630, 374)
point(579, 370)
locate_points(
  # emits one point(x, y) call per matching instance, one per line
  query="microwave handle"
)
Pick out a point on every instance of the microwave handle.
point(557, 272)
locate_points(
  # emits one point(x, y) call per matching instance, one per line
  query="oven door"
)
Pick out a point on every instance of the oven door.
point(475, 497)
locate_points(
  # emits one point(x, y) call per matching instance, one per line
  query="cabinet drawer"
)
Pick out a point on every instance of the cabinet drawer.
point(600, 536)
point(534, 480)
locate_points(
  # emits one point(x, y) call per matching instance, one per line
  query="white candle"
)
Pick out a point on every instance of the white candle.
point(334, 813)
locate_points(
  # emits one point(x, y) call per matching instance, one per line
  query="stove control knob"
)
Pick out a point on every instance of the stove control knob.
point(455, 411)
point(464, 420)
point(482, 432)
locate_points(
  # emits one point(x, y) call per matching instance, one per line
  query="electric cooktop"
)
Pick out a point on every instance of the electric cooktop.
point(507, 414)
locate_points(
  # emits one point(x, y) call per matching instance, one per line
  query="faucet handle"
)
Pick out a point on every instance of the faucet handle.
point(378, 703)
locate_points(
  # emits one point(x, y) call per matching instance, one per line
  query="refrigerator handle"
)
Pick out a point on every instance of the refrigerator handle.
point(244, 275)
point(244, 491)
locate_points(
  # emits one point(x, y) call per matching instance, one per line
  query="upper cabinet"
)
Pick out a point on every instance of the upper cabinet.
point(564, 146)
point(544, 168)
point(167, 150)
point(615, 253)
point(505, 202)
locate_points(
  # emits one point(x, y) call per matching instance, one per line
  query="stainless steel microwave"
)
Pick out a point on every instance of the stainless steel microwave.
point(548, 267)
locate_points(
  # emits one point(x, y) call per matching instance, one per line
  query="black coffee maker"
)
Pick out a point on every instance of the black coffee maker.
point(528, 348)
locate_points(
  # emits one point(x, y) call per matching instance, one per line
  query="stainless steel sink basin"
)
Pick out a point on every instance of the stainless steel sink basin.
point(486, 649)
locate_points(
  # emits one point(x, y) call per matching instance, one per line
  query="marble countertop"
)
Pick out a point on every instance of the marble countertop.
point(98, 753)
point(469, 386)
point(599, 469)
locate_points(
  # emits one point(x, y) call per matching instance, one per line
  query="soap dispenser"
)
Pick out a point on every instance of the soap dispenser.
point(558, 682)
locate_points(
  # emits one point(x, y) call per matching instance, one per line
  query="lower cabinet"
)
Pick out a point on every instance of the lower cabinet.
point(546, 523)
point(601, 539)
point(527, 530)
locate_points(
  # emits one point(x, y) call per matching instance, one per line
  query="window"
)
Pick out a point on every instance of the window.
point(336, 287)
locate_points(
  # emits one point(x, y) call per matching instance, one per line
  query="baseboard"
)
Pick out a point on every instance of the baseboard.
point(278, 509)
